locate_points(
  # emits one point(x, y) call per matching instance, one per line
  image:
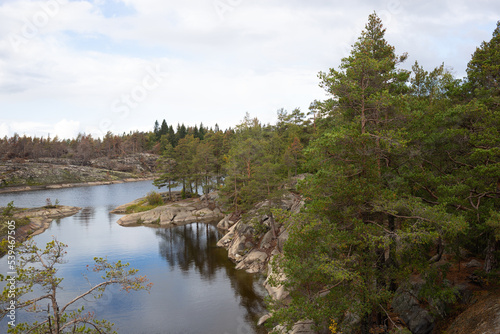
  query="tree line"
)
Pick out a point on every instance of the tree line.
point(82, 149)
point(85, 147)
point(247, 164)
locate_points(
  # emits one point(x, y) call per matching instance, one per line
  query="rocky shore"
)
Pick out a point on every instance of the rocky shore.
point(252, 249)
point(72, 185)
point(203, 209)
point(48, 173)
point(254, 241)
point(39, 219)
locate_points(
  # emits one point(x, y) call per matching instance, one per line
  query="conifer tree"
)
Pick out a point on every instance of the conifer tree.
point(354, 245)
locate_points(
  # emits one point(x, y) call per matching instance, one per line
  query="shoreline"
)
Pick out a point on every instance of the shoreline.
point(180, 212)
point(40, 220)
point(16, 189)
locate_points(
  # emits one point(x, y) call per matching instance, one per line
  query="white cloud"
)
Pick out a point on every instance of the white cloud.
point(63, 129)
point(66, 129)
point(4, 130)
point(258, 56)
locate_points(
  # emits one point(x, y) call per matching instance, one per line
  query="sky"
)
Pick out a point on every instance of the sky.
point(93, 66)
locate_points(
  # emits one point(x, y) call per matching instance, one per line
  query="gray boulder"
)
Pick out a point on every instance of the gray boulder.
point(417, 318)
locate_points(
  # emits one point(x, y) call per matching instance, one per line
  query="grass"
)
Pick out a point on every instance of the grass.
point(139, 208)
point(152, 200)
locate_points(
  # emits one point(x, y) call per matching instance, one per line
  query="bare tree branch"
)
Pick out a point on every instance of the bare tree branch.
point(89, 292)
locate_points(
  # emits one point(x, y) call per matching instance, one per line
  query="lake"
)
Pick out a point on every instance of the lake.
point(196, 288)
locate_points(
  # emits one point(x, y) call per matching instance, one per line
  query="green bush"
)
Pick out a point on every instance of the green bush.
point(260, 228)
point(154, 198)
point(8, 210)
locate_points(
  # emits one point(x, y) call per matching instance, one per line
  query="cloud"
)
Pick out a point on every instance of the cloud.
point(64, 129)
point(4, 130)
point(71, 61)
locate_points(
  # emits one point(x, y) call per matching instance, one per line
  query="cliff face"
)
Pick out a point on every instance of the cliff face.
point(254, 241)
point(483, 316)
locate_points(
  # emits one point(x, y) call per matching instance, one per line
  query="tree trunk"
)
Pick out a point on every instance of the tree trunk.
point(249, 170)
point(490, 262)
point(379, 159)
point(363, 116)
point(170, 190)
point(273, 226)
point(235, 195)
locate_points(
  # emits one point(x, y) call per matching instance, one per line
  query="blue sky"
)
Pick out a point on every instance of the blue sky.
point(118, 65)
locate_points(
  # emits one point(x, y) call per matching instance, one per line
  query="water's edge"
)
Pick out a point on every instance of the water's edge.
point(196, 287)
point(16, 189)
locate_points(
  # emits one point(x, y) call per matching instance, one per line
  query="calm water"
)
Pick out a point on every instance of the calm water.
point(196, 288)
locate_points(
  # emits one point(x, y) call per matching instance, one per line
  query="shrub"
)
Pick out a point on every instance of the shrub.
point(8, 211)
point(154, 198)
point(49, 205)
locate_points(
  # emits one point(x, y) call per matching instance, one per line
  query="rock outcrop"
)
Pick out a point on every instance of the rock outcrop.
point(133, 163)
point(40, 219)
point(483, 316)
point(416, 317)
point(50, 172)
point(301, 327)
point(255, 240)
point(187, 211)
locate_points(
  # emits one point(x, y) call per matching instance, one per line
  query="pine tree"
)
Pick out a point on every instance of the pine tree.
point(156, 130)
point(355, 243)
point(483, 71)
point(172, 138)
point(163, 128)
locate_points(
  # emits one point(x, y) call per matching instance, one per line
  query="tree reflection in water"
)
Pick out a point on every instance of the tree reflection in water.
point(193, 247)
point(86, 216)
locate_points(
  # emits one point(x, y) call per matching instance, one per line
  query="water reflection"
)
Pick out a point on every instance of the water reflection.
point(196, 287)
point(188, 246)
point(85, 216)
point(193, 247)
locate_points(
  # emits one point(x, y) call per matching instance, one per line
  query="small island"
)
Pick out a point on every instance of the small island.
point(153, 210)
point(34, 221)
